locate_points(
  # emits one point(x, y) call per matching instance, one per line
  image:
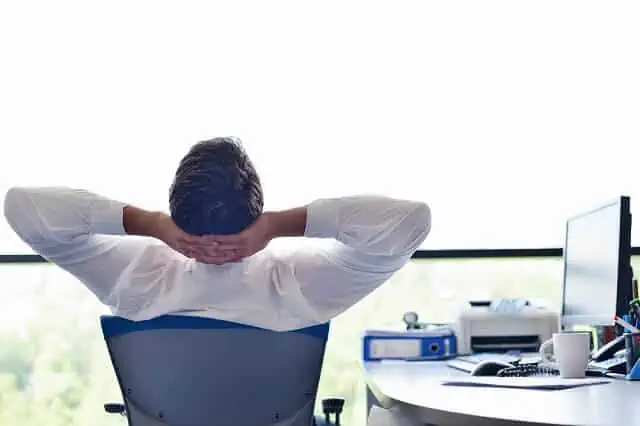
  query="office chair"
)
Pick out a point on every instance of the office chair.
point(188, 371)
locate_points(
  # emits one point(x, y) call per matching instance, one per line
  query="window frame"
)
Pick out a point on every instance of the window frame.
point(419, 254)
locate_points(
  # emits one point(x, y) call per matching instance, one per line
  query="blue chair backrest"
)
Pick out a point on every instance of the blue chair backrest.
point(189, 371)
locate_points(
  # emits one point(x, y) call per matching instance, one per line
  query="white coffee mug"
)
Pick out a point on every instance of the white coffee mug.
point(569, 351)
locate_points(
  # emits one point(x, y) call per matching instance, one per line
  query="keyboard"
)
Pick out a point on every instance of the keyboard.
point(467, 363)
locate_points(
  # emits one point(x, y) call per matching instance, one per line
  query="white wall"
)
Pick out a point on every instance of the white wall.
point(505, 116)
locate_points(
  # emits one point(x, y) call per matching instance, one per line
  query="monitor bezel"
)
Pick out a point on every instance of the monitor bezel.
point(624, 292)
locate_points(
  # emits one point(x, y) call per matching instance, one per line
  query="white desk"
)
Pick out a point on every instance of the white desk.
point(415, 389)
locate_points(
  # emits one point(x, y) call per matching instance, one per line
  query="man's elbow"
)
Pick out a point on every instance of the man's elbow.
point(12, 202)
point(420, 222)
point(423, 212)
point(16, 202)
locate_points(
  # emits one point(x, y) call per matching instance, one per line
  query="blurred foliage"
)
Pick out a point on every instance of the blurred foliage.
point(55, 370)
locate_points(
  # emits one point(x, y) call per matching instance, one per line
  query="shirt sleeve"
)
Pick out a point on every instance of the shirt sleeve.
point(83, 233)
point(371, 225)
point(369, 238)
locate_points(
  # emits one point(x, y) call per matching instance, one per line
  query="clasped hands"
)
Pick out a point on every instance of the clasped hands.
point(218, 249)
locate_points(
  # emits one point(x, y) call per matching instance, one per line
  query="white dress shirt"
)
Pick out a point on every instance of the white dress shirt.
point(351, 246)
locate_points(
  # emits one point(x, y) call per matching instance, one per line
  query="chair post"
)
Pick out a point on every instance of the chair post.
point(332, 406)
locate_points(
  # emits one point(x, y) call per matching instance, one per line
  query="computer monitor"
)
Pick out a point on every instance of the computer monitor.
point(597, 266)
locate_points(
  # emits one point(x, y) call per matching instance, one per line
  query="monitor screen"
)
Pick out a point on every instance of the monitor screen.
point(597, 265)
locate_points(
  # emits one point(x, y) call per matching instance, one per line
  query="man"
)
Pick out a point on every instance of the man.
point(209, 257)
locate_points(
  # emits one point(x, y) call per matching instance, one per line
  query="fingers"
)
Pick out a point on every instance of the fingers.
point(194, 240)
point(228, 239)
point(212, 256)
point(223, 242)
point(213, 249)
point(239, 249)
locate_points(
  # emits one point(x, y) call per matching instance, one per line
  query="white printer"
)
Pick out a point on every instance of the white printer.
point(504, 325)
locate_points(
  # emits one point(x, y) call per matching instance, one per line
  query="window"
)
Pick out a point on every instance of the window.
point(505, 117)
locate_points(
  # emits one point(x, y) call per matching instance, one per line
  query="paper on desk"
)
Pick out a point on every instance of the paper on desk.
point(539, 383)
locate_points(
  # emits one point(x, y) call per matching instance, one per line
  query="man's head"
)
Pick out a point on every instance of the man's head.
point(216, 189)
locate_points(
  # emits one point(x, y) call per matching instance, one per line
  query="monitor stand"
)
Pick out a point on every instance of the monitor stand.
point(608, 350)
